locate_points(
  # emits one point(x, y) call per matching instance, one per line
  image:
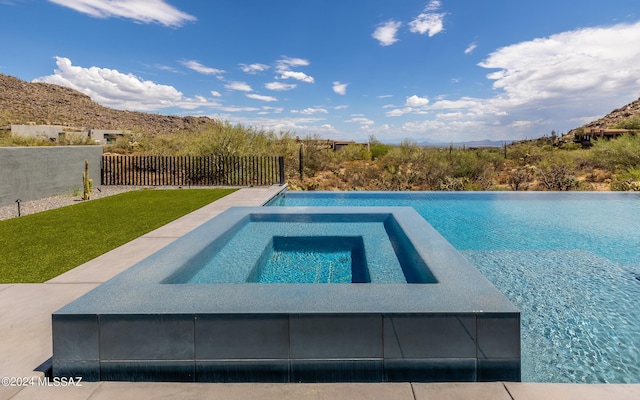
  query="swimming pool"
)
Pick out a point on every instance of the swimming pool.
point(569, 261)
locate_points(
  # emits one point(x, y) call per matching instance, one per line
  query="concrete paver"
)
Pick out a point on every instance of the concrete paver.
point(218, 391)
point(110, 264)
point(571, 391)
point(25, 324)
point(460, 391)
point(8, 392)
point(4, 286)
point(238, 391)
point(51, 392)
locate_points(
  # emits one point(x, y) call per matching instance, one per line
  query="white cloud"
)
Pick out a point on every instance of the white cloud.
point(253, 68)
point(284, 65)
point(196, 66)
point(340, 88)
point(287, 63)
point(596, 63)
point(145, 11)
point(470, 48)
point(275, 110)
point(522, 124)
point(385, 96)
point(280, 86)
point(311, 110)
point(301, 76)
point(165, 68)
point(559, 82)
point(386, 33)
point(398, 112)
point(453, 115)
point(299, 126)
point(240, 86)
point(342, 107)
point(260, 97)
point(238, 109)
point(115, 89)
point(429, 21)
point(215, 94)
point(360, 120)
point(415, 101)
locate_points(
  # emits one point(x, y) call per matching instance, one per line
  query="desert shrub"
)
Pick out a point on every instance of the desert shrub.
point(470, 164)
point(453, 184)
point(410, 166)
point(617, 154)
point(628, 180)
point(353, 152)
point(632, 123)
point(75, 138)
point(520, 178)
point(19, 140)
point(557, 177)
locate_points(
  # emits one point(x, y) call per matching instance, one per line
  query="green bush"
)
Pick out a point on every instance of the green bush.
point(628, 180)
point(617, 154)
point(631, 123)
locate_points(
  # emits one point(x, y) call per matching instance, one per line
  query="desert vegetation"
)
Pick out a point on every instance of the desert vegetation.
point(548, 163)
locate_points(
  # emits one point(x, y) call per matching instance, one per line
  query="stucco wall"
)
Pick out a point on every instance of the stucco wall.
point(49, 131)
point(30, 173)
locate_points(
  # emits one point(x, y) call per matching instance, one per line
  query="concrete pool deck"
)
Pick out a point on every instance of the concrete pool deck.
point(25, 332)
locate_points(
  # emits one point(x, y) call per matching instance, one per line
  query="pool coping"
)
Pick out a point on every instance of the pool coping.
point(461, 288)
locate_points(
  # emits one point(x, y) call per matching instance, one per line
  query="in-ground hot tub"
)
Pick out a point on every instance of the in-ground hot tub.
point(295, 294)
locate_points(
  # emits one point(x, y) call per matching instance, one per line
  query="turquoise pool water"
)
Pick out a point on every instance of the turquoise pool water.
point(312, 259)
point(570, 261)
point(367, 249)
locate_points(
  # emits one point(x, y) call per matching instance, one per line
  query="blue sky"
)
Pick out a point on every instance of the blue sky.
point(445, 71)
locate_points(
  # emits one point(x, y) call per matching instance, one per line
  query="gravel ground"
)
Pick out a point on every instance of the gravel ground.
point(49, 203)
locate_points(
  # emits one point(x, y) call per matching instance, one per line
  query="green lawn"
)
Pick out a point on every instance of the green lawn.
point(38, 247)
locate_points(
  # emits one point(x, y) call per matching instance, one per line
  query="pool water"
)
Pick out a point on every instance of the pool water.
point(570, 261)
point(279, 251)
point(312, 260)
point(307, 267)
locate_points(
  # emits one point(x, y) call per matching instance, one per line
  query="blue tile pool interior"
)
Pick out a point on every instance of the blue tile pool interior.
point(213, 306)
point(569, 261)
point(312, 259)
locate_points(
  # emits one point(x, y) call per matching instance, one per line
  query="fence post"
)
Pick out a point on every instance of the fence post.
point(281, 167)
point(301, 162)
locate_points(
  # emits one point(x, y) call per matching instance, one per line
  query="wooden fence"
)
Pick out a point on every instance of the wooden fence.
point(196, 170)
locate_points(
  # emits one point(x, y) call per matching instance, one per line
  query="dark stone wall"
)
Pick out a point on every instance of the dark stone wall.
point(31, 173)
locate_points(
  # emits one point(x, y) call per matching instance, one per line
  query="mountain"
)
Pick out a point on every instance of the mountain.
point(470, 143)
point(619, 114)
point(43, 103)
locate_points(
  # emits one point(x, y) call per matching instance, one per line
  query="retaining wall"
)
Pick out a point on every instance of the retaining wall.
point(31, 173)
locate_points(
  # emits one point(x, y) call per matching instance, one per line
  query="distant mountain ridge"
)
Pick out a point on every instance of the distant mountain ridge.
point(469, 143)
point(43, 103)
point(46, 104)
